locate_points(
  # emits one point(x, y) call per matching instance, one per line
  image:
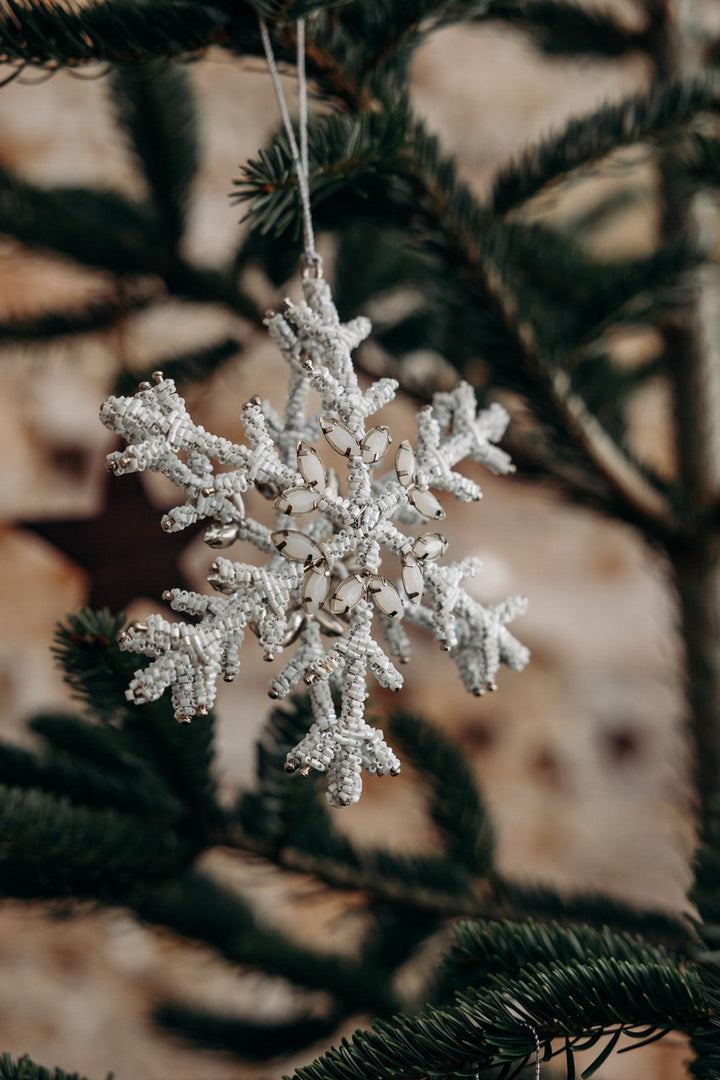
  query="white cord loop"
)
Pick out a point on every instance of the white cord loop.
point(311, 262)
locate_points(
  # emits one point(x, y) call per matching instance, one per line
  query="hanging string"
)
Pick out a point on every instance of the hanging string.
point(312, 262)
point(538, 1050)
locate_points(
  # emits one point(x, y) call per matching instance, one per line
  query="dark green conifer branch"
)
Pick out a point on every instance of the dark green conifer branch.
point(36, 823)
point(483, 949)
point(199, 908)
point(86, 783)
point(287, 10)
point(587, 140)
point(156, 107)
point(493, 1026)
point(26, 1069)
point(116, 31)
point(189, 367)
point(564, 28)
point(100, 229)
point(454, 800)
point(98, 674)
point(244, 1039)
point(74, 322)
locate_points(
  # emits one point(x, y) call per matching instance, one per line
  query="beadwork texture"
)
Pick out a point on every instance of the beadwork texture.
point(322, 586)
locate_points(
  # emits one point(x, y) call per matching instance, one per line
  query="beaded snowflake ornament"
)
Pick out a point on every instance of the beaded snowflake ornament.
point(322, 588)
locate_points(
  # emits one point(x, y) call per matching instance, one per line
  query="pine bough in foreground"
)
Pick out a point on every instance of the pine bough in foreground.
point(322, 585)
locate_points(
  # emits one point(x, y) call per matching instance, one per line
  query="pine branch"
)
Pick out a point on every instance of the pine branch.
point(285, 820)
point(561, 28)
point(246, 1040)
point(117, 31)
point(98, 674)
point(491, 1027)
point(655, 925)
point(46, 327)
point(455, 804)
point(701, 160)
point(35, 823)
point(197, 907)
point(356, 153)
point(26, 1069)
point(189, 367)
point(156, 107)
point(285, 10)
point(585, 141)
point(87, 784)
point(100, 229)
point(705, 892)
point(483, 949)
point(415, 179)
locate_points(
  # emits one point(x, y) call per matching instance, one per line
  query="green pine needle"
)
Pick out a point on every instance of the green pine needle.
point(119, 31)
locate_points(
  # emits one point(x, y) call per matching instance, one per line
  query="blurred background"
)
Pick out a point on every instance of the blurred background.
point(581, 758)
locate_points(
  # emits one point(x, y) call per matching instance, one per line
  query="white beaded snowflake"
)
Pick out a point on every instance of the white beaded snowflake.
point(322, 586)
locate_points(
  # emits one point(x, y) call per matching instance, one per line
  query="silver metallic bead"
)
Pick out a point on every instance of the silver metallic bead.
point(221, 534)
point(267, 489)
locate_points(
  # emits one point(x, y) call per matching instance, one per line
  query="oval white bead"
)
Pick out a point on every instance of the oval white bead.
point(429, 546)
point(412, 579)
point(339, 436)
point(311, 467)
point(375, 444)
point(297, 500)
point(347, 595)
point(296, 546)
point(385, 596)
point(219, 535)
point(315, 587)
point(405, 464)
point(426, 504)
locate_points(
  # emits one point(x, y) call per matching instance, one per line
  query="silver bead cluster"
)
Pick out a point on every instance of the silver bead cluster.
point(322, 586)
